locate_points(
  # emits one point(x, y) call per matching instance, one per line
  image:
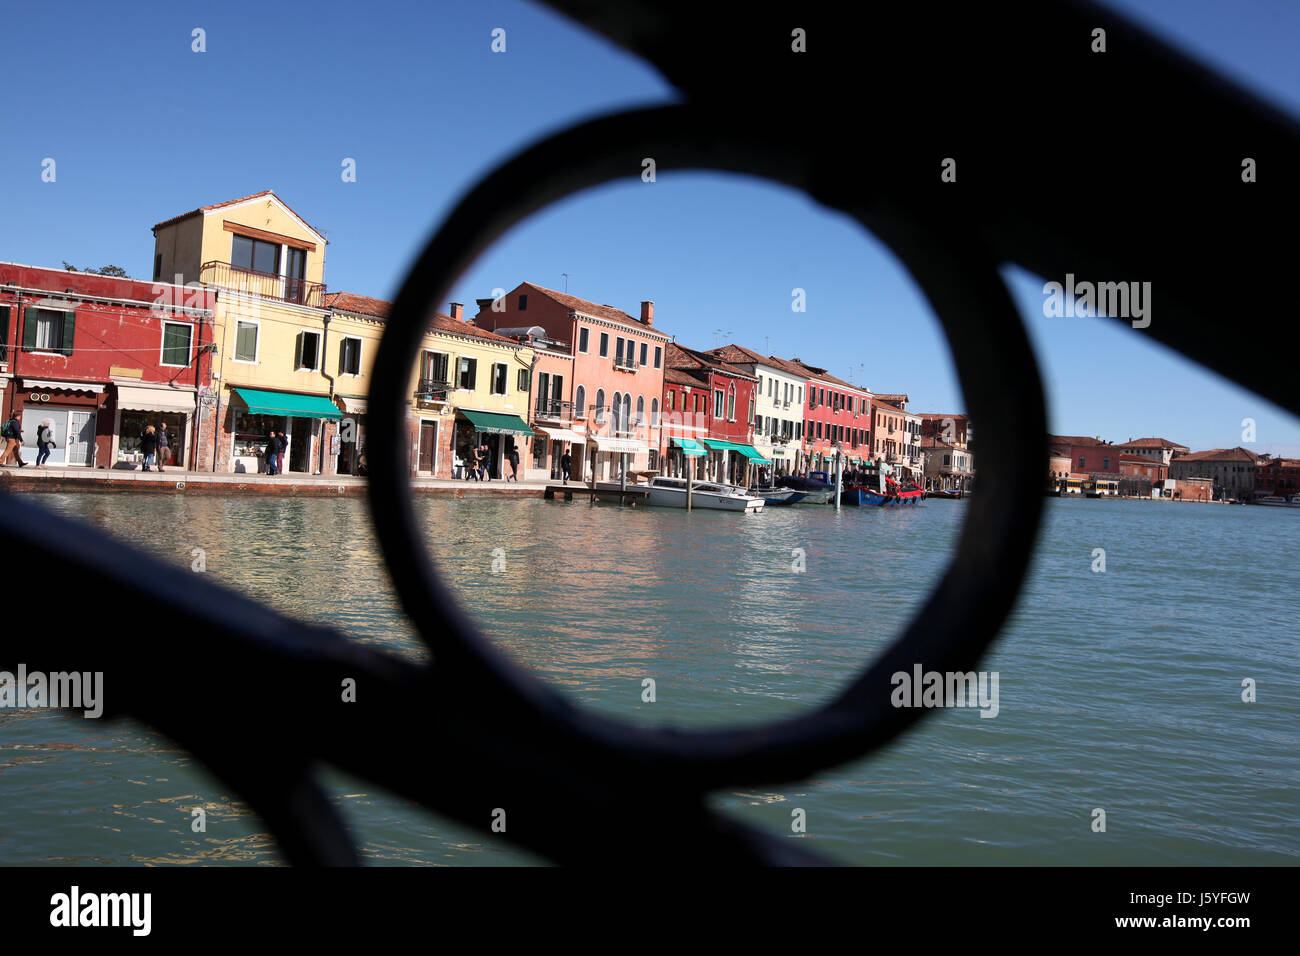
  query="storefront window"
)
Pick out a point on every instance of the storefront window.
point(133, 425)
point(252, 431)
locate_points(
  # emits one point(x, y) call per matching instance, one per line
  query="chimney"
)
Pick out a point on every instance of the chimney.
point(648, 312)
point(457, 312)
point(484, 304)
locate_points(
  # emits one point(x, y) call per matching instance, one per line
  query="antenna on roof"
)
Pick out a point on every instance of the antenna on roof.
point(723, 334)
point(566, 282)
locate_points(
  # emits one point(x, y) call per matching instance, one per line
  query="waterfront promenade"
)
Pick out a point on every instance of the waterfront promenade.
point(175, 480)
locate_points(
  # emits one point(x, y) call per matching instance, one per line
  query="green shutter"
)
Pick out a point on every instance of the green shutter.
point(297, 351)
point(246, 342)
point(29, 329)
point(176, 344)
point(69, 332)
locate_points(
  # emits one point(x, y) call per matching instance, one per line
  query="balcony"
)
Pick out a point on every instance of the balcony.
point(265, 285)
point(553, 410)
point(625, 364)
point(432, 390)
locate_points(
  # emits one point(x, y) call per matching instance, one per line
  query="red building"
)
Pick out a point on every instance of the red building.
point(837, 417)
point(617, 379)
point(1088, 456)
point(1142, 466)
point(715, 403)
point(1277, 476)
point(101, 358)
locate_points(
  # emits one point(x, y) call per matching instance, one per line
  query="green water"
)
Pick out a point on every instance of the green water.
point(1118, 690)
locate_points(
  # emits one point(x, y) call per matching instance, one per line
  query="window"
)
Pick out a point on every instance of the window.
point(600, 406)
point(435, 369)
point(719, 403)
point(618, 411)
point(645, 351)
point(176, 343)
point(584, 336)
point(349, 356)
point(604, 345)
point(245, 341)
point(499, 373)
point(654, 412)
point(522, 382)
point(1105, 463)
point(640, 409)
point(308, 351)
point(580, 402)
point(47, 330)
point(523, 303)
point(468, 373)
point(819, 431)
point(618, 351)
point(4, 333)
point(945, 460)
point(659, 354)
point(627, 411)
point(254, 255)
point(157, 266)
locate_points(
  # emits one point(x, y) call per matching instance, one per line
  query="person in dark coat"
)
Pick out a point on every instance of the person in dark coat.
point(513, 458)
point(272, 450)
point(164, 445)
point(566, 465)
point(13, 441)
point(148, 445)
point(481, 457)
point(281, 446)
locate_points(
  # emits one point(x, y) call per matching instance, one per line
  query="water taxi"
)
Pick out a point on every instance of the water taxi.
point(667, 492)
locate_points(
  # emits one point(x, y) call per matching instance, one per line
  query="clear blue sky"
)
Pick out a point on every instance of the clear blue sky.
point(142, 129)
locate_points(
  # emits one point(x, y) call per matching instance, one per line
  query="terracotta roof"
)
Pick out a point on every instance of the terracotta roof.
point(1282, 463)
point(1057, 439)
point(802, 368)
point(591, 308)
point(1221, 454)
point(681, 376)
point(361, 304)
point(877, 403)
point(893, 399)
point(438, 322)
point(1143, 459)
point(679, 356)
point(231, 202)
point(1151, 443)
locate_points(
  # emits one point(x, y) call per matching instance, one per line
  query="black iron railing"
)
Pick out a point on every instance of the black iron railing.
point(433, 389)
point(553, 410)
point(494, 736)
point(265, 285)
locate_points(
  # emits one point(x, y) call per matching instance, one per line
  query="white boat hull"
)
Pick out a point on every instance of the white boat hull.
point(735, 500)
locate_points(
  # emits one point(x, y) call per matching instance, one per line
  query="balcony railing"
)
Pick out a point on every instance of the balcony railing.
point(551, 409)
point(265, 285)
point(432, 390)
point(626, 364)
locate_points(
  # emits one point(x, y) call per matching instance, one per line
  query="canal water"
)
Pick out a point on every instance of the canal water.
point(1119, 689)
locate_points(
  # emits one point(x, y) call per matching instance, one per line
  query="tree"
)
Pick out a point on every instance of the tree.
point(101, 271)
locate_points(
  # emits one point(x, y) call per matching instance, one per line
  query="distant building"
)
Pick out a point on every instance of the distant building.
point(1142, 466)
point(778, 414)
point(1156, 449)
point(1277, 476)
point(1232, 470)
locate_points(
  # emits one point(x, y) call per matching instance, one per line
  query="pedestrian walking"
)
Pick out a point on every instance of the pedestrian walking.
point(164, 445)
point(148, 445)
point(281, 446)
point(566, 465)
point(12, 431)
point(514, 463)
point(481, 457)
point(44, 441)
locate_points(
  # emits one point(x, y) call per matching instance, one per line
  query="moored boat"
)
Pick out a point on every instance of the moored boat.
point(667, 492)
point(778, 496)
point(894, 495)
point(816, 489)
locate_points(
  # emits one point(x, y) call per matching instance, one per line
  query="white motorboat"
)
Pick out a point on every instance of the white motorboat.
point(671, 493)
point(1278, 501)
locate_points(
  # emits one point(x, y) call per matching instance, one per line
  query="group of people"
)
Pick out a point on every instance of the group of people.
point(476, 463)
point(12, 433)
point(155, 444)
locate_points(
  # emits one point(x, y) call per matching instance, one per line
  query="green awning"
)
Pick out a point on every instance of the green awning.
point(288, 403)
point(496, 423)
point(749, 451)
point(690, 447)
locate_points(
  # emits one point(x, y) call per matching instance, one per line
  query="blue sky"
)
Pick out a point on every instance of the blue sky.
point(142, 129)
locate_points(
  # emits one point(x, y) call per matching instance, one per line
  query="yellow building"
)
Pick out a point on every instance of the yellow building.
point(274, 368)
point(468, 388)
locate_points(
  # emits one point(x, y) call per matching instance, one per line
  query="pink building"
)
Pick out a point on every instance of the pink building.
point(617, 380)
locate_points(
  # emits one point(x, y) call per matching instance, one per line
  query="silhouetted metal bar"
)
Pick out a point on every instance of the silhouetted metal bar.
point(860, 122)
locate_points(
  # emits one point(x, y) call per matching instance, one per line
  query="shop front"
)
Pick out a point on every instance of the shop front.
point(607, 455)
point(351, 440)
point(733, 461)
point(681, 453)
point(72, 409)
point(138, 407)
point(497, 431)
point(256, 413)
point(548, 451)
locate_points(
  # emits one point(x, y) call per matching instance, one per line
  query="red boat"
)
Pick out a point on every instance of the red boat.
point(894, 495)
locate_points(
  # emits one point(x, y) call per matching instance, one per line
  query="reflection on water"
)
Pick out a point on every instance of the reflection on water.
point(1118, 690)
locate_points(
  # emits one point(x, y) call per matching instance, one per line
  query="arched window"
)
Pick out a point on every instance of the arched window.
point(731, 403)
point(640, 409)
point(600, 406)
point(580, 402)
point(654, 413)
point(627, 411)
point(618, 411)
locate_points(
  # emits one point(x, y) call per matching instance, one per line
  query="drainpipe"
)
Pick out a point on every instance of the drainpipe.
point(324, 350)
point(13, 362)
point(221, 377)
